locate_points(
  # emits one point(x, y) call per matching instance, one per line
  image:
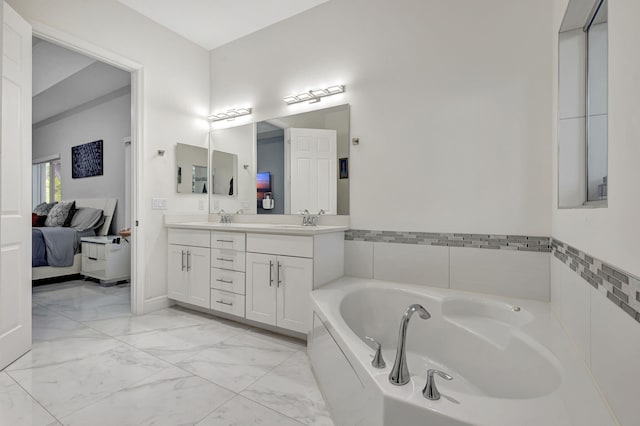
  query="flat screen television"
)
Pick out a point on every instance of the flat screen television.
point(263, 184)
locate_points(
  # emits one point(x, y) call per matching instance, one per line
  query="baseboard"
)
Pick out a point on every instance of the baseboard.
point(157, 303)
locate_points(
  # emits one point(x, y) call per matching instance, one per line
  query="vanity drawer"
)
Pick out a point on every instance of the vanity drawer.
point(228, 240)
point(225, 301)
point(188, 237)
point(94, 251)
point(228, 259)
point(287, 245)
point(232, 281)
point(93, 265)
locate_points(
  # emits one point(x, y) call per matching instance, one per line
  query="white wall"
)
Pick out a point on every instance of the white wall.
point(109, 121)
point(607, 337)
point(450, 101)
point(176, 90)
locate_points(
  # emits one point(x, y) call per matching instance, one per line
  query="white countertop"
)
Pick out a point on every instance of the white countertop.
point(261, 228)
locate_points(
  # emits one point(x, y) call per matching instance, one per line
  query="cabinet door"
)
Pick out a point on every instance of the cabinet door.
point(261, 288)
point(199, 270)
point(177, 273)
point(295, 281)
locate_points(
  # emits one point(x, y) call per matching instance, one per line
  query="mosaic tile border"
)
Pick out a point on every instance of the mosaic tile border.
point(483, 241)
point(621, 288)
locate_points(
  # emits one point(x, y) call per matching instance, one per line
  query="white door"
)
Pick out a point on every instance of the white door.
point(199, 276)
point(312, 170)
point(15, 189)
point(295, 281)
point(261, 288)
point(178, 284)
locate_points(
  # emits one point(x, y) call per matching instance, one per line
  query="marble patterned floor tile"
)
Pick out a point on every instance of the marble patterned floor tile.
point(164, 319)
point(178, 344)
point(102, 307)
point(65, 387)
point(290, 342)
point(49, 325)
point(18, 408)
point(51, 352)
point(291, 390)
point(237, 362)
point(84, 300)
point(241, 411)
point(171, 397)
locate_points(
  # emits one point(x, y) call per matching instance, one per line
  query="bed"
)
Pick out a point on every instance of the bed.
point(107, 205)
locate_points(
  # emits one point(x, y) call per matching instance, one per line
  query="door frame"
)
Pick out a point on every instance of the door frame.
point(81, 46)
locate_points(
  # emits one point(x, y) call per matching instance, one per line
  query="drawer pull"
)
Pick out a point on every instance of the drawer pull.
point(222, 259)
point(270, 273)
point(225, 241)
point(92, 258)
point(224, 281)
point(222, 302)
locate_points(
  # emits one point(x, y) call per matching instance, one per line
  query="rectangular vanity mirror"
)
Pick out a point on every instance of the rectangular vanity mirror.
point(191, 169)
point(224, 177)
point(289, 164)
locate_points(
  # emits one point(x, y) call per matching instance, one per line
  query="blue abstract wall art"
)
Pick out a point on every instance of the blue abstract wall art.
point(86, 160)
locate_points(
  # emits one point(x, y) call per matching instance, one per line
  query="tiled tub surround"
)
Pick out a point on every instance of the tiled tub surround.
point(621, 288)
point(506, 265)
point(483, 241)
point(597, 304)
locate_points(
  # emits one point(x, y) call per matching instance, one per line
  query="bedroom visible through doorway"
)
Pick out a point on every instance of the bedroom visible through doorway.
point(81, 169)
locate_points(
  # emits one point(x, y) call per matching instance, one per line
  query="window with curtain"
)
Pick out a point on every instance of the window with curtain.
point(47, 185)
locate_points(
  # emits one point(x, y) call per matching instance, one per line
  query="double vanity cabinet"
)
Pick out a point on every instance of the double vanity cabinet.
point(262, 273)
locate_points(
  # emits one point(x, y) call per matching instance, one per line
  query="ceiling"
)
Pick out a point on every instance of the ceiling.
point(212, 23)
point(64, 80)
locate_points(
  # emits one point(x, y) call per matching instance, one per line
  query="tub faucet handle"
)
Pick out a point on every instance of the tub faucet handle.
point(430, 390)
point(378, 361)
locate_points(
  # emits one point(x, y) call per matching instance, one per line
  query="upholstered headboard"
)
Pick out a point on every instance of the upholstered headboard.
point(108, 207)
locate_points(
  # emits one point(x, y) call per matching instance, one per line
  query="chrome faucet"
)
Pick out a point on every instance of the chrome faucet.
point(430, 390)
point(400, 372)
point(309, 219)
point(228, 217)
point(225, 217)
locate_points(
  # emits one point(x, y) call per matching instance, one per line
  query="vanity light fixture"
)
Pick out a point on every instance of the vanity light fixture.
point(313, 95)
point(230, 114)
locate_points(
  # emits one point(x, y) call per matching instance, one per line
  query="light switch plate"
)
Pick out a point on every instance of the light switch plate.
point(158, 203)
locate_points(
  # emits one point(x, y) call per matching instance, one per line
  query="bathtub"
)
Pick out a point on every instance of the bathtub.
point(511, 361)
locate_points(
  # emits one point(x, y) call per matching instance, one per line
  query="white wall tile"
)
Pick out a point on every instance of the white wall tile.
point(358, 259)
point(411, 263)
point(570, 298)
point(503, 272)
point(571, 162)
point(615, 357)
point(571, 84)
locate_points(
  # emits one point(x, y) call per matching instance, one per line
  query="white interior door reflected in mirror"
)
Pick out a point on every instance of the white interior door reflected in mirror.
point(224, 179)
point(311, 160)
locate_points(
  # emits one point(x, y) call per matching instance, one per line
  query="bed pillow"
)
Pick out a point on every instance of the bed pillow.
point(59, 214)
point(70, 216)
point(43, 209)
point(86, 218)
point(34, 219)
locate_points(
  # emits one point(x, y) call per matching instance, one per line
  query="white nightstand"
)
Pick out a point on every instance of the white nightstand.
point(105, 259)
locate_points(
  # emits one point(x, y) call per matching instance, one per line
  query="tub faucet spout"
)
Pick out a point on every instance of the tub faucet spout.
point(400, 372)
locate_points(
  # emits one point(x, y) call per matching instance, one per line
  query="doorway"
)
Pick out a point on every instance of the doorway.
point(81, 124)
point(132, 145)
